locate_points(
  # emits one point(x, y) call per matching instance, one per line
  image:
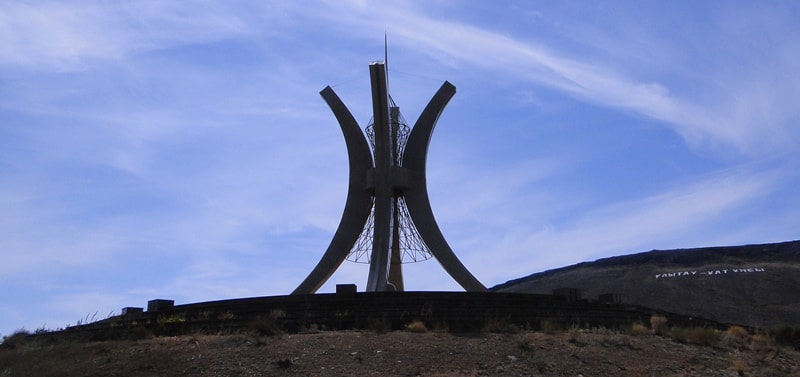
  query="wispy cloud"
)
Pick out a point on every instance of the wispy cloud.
point(674, 218)
point(64, 37)
point(747, 111)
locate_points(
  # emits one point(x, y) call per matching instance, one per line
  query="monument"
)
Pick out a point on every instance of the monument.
point(387, 219)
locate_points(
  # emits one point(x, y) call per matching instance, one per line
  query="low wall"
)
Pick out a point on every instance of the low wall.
point(451, 311)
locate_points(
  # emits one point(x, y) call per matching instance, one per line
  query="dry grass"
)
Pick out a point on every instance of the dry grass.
point(14, 340)
point(639, 329)
point(270, 325)
point(736, 337)
point(703, 336)
point(739, 366)
point(761, 342)
point(416, 326)
point(659, 324)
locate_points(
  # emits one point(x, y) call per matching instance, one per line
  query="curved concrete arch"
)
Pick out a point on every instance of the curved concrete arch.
point(359, 200)
point(415, 159)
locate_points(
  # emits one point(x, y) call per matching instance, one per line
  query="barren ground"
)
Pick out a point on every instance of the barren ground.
point(401, 353)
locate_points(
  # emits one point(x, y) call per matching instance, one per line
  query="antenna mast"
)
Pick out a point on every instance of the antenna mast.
point(386, 58)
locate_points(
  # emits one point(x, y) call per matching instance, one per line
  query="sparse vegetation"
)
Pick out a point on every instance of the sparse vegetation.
point(679, 334)
point(524, 342)
point(574, 336)
point(736, 337)
point(659, 324)
point(762, 342)
point(703, 336)
point(787, 335)
point(739, 366)
point(174, 318)
point(14, 340)
point(416, 326)
point(517, 352)
point(639, 329)
point(270, 325)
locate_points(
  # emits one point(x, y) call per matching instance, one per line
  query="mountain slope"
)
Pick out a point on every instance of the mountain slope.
point(754, 285)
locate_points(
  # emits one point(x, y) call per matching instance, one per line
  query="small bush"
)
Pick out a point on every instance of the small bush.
point(639, 329)
point(416, 326)
point(659, 324)
point(703, 336)
point(525, 343)
point(574, 337)
point(736, 337)
point(786, 335)
point(268, 326)
point(679, 334)
point(762, 342)
point(15, 340)
point(739, 366)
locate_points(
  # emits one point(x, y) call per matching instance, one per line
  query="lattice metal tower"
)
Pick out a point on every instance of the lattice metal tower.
point(387, 218)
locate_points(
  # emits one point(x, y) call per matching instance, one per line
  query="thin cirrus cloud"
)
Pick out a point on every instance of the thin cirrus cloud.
point(748, 111)
point(671, 219)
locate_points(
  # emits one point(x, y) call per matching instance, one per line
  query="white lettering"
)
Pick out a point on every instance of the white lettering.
point(723, 271)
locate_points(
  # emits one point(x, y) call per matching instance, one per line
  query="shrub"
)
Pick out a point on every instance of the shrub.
point(659, 324)
point(703, 336)
point(639, 329)
point(15, 340)
point(269, 325)
point(739, 366)
point(679, 334)
point(787, 335)
point(525, 343)
point(736, 336)
point(762, 342)
point(574, 337)
point(416, 326)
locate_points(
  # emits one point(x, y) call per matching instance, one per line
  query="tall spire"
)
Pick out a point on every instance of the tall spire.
point(386, 58)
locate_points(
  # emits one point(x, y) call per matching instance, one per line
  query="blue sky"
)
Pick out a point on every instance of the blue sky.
point(181, 150)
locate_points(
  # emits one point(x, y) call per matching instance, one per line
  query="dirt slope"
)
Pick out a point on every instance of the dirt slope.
point(400, 353)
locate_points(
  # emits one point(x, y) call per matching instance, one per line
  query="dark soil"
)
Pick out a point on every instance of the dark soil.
point(401, 353)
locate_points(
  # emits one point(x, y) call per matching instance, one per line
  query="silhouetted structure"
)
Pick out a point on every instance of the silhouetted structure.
point(387, 218)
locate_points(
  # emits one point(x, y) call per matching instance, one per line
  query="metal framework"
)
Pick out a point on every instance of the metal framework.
point(387, 220)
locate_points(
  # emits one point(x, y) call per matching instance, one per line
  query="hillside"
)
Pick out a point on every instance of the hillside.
point(753, 285)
